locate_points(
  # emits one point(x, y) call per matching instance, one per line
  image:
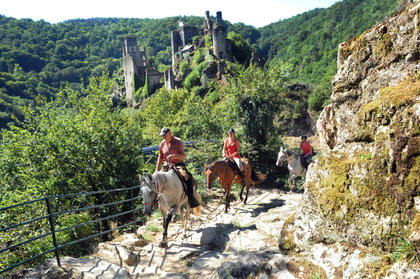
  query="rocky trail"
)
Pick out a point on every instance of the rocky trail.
point(236, 244)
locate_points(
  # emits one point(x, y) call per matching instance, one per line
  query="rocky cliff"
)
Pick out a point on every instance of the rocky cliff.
point(363, 187)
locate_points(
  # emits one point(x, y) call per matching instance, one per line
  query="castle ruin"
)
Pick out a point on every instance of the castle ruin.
point(182, 43)
point(137, 70)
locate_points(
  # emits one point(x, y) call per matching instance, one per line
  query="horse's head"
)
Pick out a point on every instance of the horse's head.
point(281, 156)
point(150, 196)
point(210, 174)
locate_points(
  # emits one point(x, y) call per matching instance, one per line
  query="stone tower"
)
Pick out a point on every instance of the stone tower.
point(219, 37)
point(182, 37)
point(207, 27)
point(136, 66)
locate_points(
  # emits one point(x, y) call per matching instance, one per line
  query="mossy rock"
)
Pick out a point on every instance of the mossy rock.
point(286, 238)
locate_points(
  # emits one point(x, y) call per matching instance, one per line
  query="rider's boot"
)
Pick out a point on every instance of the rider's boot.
point(190, 194)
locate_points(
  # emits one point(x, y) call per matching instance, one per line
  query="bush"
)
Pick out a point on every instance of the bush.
point(315, 101)
point(184, 66)
point(193, 79)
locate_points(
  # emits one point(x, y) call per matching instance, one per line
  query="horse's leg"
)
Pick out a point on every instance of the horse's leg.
point(248, 184)
point(247, 176)
point(227, 197)
point(168, 219)
point(185, 220)
point(242, 189)
point(292, 182)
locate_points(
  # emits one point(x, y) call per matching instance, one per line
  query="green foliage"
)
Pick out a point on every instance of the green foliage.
point(406, 251)
point(315, 101)
point(208, 41)
point(198, 56)
point(51, 55)
point(309, 41)
point(257, 93)
point(75, 143)
point(193, 79)
point(184, 66)
point(241, 50)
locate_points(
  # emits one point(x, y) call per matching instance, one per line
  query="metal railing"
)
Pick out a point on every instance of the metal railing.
point(51, 216)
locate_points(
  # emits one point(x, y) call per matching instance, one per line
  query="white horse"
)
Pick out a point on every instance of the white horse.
point(165, 189)
point(294, 165)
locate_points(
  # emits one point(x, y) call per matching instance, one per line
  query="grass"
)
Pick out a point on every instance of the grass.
point(154, 228)
point(147, 237)
point(156, 215)
point(405, 251)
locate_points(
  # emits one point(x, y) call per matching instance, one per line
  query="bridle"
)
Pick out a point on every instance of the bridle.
point(287, 156)
point(212, 177)
point(155, 201)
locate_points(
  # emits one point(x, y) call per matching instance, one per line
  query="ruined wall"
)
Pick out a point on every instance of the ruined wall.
point(129, 70)
point(136, 66)
point(363, 188)
point(219, 37)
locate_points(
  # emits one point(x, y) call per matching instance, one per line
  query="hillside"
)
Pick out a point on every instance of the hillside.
point(37, 58)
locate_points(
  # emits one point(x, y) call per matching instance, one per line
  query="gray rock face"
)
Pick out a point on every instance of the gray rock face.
point(362, 189)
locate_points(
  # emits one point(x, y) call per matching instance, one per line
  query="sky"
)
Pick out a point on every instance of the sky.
point(258, 13)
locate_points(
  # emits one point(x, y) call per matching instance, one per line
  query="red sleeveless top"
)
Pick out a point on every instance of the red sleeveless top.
point(231, 148)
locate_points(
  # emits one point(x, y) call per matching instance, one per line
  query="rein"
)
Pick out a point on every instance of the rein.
point(156, 200)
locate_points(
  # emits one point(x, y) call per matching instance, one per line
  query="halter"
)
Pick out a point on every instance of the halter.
point(288, 155)
point(156, 200)
point(211, 167)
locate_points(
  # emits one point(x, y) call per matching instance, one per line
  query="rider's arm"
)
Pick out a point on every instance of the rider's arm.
point(237, 148)
point(159, 163)
point(179, 157)
point(224, 150)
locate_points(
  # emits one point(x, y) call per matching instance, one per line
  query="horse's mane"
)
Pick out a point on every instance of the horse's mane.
point(289, 152)
point(211, 165)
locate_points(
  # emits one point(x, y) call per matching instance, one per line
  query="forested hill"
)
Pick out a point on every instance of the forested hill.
point(37, 58)
point(309, 41)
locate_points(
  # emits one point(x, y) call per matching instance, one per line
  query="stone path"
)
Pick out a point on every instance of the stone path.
point(218, 245)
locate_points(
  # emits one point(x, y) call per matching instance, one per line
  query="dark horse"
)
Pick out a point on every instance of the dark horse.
point(227, 177)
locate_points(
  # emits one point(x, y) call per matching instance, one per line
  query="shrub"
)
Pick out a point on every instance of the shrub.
point(315, 101)
point(193, 79)
point(184, 66)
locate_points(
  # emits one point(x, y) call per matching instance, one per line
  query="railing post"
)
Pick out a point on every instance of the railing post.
point(57, 255)
point(134, 211)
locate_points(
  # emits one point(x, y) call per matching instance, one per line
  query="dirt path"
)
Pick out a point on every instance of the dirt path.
point(216, 238)
point(218, 244)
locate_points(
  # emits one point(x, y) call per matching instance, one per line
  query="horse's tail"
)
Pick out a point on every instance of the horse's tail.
point(257, 177)
point(197, 210)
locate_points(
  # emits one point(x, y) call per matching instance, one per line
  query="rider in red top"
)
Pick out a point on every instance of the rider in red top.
point(231, 149)
point(171, 151)
point(307, 150)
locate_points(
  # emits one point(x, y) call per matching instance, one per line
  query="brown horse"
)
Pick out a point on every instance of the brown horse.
point(227, 177)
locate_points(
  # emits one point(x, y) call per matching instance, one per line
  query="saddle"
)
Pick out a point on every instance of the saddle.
point(183, 180)
point(184, 184)
point(234, 166)
point(303, 162)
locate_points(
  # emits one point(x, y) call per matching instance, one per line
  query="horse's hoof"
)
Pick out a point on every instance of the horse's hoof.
point(163, 244)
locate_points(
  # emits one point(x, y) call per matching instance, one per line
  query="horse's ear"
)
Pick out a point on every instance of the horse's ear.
point(149, 176)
